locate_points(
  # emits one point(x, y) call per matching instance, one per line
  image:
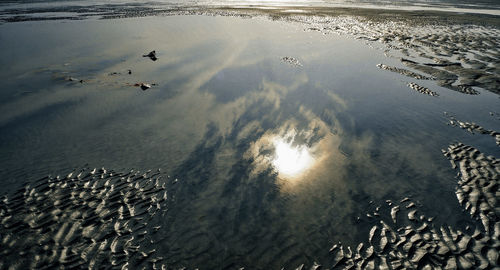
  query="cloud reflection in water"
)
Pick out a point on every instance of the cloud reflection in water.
point(268, 155)
point(290, 160)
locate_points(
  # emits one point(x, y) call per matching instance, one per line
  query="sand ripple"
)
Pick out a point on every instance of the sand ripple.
point(420, 244)
point(88, 219)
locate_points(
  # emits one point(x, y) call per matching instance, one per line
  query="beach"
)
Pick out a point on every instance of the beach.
point(256, 137)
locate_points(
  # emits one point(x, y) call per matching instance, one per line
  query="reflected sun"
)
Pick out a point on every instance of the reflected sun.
point(291, 160)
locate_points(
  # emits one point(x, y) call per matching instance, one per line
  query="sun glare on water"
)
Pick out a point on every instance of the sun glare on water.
point(291, 160)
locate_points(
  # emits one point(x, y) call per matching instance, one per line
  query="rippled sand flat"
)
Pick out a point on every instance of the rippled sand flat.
point(287, 137)
point(88, 219)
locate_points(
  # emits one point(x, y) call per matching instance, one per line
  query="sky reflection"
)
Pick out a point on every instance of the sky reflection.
point(267, 154)
point(290, 160)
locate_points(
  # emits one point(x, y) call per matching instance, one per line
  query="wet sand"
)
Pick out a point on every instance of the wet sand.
point(286, 139)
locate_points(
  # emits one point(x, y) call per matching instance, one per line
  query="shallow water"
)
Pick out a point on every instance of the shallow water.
point(274, 159)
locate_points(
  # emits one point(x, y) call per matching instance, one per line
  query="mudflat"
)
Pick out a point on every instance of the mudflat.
point(259, 137)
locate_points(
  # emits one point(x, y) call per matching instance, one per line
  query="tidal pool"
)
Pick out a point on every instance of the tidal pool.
point(266, 163)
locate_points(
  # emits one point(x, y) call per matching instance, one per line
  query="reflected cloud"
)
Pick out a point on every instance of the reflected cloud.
point(252, 140)
point(301, 150)
point(290, 160)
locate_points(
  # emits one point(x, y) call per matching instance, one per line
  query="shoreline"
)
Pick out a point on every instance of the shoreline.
point(113, 11)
